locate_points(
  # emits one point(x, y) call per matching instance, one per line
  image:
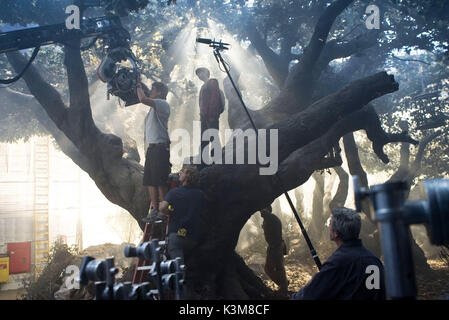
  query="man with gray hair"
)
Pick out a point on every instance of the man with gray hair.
point(352, 272)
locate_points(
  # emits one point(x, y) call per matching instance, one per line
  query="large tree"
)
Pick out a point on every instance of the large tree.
point(310, 126)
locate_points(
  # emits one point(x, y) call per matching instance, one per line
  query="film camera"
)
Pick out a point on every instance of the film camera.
point(122, 81)
point(394, 216)
point(166, 276)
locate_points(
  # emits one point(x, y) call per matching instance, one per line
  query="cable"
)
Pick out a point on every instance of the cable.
point(315, 257)
point(17, 77)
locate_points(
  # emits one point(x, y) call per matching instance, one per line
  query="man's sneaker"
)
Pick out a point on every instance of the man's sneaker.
point(153, 216)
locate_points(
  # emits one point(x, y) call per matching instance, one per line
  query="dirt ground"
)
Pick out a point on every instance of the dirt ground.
point(11, 294)
point(435, 284)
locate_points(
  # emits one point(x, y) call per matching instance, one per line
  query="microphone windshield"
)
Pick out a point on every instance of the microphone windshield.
point(204, 40)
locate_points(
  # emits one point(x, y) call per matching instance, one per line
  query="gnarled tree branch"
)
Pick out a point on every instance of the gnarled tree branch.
point(65, 144)
point(299, 86)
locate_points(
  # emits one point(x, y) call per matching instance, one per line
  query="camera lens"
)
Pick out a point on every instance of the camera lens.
point(169, 281)
point(142, 251)
point(96, 270)
point(168, 267)
point(124, 81)
point(130, 252)
point(437, 192)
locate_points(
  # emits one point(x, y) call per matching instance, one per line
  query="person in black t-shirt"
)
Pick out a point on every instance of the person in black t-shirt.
point(183, 205)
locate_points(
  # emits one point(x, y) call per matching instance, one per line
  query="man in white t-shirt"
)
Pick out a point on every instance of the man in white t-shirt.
point(157, 159)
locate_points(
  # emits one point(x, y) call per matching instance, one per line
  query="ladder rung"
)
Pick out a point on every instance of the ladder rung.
point(43, 175)
point(40, 221)
point(41, 261)
point(145, 268)
point(41, 256)
point(41, 193)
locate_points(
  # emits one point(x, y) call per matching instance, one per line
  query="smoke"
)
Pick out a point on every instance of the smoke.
point(112, 117)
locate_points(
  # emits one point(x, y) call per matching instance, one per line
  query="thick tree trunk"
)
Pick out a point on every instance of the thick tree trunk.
point(340, 196)
point(355, 167)
point(316, 225)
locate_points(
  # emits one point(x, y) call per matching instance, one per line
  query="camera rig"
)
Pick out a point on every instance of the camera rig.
point(395, 216)
point(166, 277)
point(121, 81)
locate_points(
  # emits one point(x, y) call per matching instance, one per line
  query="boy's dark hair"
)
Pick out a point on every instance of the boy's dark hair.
point(162, 88)
point(202, 69)
point(192, 176)
point(267, 210)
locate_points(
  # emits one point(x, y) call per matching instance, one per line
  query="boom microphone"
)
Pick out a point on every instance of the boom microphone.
point(212, 43)
point(203, 40)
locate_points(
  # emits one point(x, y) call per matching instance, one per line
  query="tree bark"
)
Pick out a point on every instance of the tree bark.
point(316, 225)
point(68, 148)
point(340, 196)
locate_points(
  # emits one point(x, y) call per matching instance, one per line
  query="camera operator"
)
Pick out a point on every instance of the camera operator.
point(157, 141)
point(344, 275)
point(183, 205)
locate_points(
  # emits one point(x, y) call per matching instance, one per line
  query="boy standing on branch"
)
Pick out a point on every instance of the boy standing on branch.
point(157, 142)
point(212, 103)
